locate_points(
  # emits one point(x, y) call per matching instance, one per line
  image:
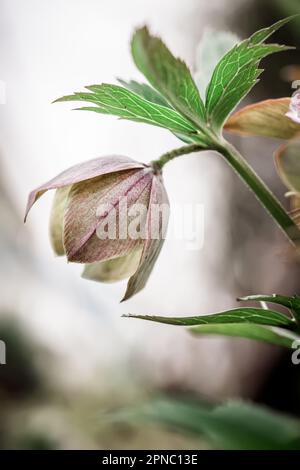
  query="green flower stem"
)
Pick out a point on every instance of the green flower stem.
point(166, 157)
point(248, 175)
point(262, 192)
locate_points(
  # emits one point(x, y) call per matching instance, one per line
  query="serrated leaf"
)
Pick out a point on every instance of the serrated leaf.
point(233, 63)
point(232, 425)
point(212, 47)
point(265, 33)
point(231, 72)
point(239, 87)
point(276, 336)
point(266, 118)
point(145, 91)
point(118, 101)
point(168, 74)
point(238, 315)
point(287, 160)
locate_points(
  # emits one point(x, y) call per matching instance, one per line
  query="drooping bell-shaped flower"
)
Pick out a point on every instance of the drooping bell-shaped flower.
point(110, 213)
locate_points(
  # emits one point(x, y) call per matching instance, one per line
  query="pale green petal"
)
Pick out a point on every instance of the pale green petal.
point(56, 220)
point(114, 269)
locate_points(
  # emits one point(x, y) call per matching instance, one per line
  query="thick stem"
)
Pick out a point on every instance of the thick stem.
point(262, 192)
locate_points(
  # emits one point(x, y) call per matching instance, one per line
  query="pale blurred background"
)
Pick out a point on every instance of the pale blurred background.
point(86, 357)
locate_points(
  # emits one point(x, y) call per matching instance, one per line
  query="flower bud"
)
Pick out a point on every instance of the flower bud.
point(110, 213)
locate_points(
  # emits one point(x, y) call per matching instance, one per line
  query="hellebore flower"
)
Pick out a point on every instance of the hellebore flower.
point(110, 213)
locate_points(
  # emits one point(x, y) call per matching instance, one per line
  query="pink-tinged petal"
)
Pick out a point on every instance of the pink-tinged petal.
point(294, 116)
point(56, 220)
point(266, 118)
point(83, 171)
point(83, 218)
point(114, 269)
point(154, 241)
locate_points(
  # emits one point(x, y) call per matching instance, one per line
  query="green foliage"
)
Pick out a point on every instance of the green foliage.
point(212, 47)
point(237, 72)
point(145, 91)
point(232, 426)
point(266, 334)
point(173, 100)
point(253, 323)
point(118, 101)
point(169, 75)
point(237, 315)
point(290, 302)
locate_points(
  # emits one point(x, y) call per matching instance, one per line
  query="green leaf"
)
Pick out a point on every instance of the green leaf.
point(237, 72)
point(212, 47)
point(238, 315)
point(283, 300)
point(169, 75)
point(118, 101)
point(239, 87)
point(233, 425)
point(290, 302)
point(145, 91)
point(264, 33)
point(263, 333)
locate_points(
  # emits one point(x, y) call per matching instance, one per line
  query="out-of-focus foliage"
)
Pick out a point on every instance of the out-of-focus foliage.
point(232, 425)
point(18, 377)
point(212, 47)
point(38, 412)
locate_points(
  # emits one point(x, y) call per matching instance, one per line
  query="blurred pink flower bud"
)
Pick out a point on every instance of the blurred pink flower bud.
point(110, 213)
point(294, 108)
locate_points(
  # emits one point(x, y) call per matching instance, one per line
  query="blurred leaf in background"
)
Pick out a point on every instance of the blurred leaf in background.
point(212, 47)
point(19, 376)
point(231, 426)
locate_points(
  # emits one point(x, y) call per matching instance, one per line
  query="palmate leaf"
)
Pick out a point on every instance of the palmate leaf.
point(237, 315)
point(169, 75)
point(233, 425)
point(118, 101)
point(237, 72)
